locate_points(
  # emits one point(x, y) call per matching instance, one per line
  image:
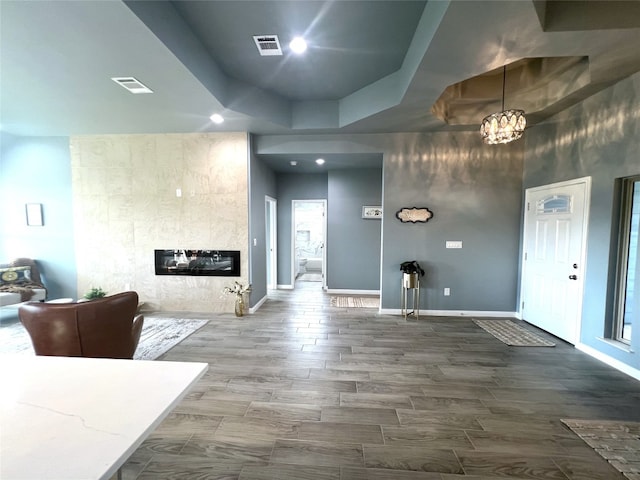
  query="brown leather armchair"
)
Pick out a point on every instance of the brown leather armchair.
point(106, 327)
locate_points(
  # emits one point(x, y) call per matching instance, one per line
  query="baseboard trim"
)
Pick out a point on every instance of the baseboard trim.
point(284, 287)
point(453, 313)
point(255, 308)
point(612, 362)
point(340, 291)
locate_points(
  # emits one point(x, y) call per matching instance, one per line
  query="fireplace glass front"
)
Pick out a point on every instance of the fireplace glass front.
point(213, 263)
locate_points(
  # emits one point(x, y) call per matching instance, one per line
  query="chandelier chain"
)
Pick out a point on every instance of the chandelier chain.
point(504, 126)
point(504, 82)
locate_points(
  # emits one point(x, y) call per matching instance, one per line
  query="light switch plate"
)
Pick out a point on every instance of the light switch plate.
point(453, 244)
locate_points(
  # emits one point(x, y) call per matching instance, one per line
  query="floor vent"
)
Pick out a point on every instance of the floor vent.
point(268, 45)
point(131, 84)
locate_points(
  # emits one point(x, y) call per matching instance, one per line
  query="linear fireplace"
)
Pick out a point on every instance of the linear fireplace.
point(212, 263)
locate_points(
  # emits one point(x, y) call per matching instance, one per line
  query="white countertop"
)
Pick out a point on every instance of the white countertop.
point(81, 418)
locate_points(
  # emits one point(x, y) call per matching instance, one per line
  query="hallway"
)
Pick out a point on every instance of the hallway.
point(301, 390)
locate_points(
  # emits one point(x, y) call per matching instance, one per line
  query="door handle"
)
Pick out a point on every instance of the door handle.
point(573, 277)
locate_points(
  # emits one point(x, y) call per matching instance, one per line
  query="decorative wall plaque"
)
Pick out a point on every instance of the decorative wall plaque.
point(414, 215)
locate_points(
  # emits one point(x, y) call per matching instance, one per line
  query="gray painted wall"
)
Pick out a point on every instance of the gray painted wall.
point(37, 170)
point(475, 193)
point(291, 186)
point(599, 138)
point(262, 181)
point(353, 243)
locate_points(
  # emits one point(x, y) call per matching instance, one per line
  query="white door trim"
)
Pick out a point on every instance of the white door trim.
point(271, 235)
point(583, 248)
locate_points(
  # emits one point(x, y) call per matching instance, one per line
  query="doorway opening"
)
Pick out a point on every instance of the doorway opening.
point(309, 240)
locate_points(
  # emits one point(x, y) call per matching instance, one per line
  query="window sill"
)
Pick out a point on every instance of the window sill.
point(617, 344)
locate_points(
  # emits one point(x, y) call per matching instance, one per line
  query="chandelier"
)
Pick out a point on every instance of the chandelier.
point(505, 126)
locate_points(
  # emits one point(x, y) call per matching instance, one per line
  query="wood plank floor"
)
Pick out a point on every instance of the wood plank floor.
point(304, 391)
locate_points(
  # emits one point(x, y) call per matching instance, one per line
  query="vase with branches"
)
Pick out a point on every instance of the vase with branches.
point(239, 291)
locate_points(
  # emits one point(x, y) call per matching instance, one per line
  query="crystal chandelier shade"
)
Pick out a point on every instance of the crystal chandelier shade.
point(505, 126)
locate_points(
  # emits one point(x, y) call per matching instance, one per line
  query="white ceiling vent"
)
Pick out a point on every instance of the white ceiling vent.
point(268, 45)
point(131, 84)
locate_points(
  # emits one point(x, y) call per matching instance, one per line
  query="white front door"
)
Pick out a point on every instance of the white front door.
point(555, 225)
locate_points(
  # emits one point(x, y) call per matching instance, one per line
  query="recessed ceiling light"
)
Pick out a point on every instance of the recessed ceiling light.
point(320, 161)
point(293, 163)
point(216, 118)
point(131, 84)
point(298, 45)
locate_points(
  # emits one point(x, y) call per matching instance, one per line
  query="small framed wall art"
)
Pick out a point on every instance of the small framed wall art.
point(34, 214)
point(369, 211)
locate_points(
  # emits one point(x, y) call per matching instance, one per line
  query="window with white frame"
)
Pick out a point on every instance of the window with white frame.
point(627, 312)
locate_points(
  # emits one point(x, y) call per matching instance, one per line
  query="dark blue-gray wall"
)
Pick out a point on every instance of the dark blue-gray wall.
point(291, 186)
point(599, 137)
point(353, 243)
point(37, 170)
point(262, 182)
point(475, 193)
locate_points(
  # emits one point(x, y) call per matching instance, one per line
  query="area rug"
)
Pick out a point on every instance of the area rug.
point(616, 442)
point(514, 335)
point(355, 302)
point(157, 337)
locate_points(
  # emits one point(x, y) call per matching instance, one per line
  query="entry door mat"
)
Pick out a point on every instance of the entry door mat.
point(158, 336)
point(616, 442)
point(512, 334)
point(344, 301)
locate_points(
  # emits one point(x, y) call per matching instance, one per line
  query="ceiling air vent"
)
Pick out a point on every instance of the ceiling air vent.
point(131, 84)
point(268, 45)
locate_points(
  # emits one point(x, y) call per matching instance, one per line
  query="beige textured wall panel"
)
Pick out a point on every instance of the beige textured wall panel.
point(125, 207)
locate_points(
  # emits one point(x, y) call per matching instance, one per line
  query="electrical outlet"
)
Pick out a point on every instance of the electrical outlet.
point(447, 291)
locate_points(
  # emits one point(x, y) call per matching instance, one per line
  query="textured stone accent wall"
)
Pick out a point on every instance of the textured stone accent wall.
point(126, 205)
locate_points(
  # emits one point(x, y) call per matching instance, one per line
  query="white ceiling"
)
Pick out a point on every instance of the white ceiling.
point(372, 66)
